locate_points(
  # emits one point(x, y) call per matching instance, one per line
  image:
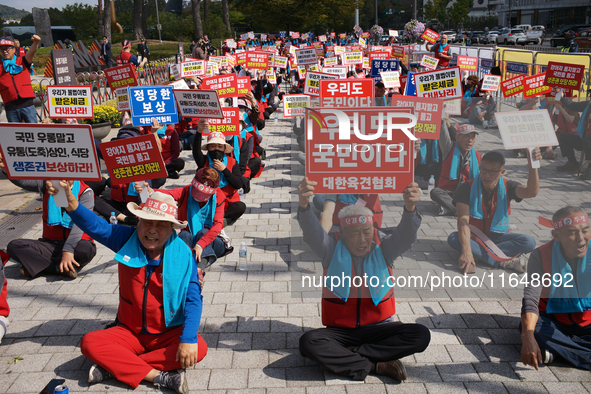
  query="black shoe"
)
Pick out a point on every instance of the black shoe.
point(175, 380)
point(568, 167)
point(97, 374)
point(173, 175)
point(394, 369)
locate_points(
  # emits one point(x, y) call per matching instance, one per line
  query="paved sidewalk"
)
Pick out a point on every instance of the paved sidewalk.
point(252, 321)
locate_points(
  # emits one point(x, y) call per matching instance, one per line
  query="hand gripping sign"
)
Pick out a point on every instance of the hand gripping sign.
point(352, 93)
point(70, 102)
point(430, 35)
point(312, 83)
point(229, 125)
point(526, 130)
point(133, 159)
point(198, 103)
point(568, 76)
point(49, 151)
point(375, 158)
point(295, 104)
point(444, 83)
point(121, 76)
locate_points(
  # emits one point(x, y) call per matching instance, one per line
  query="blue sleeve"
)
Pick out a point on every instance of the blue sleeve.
point(112, 236)
point(133, 60)
point(193, 308)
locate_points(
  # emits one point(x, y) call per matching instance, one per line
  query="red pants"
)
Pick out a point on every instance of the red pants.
point(4, 309)
point(130, 357)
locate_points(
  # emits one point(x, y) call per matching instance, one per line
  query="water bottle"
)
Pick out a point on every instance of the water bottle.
point(431, 184)
point(275, 120)
point(113, 218)
point(241, 193)
point(242, 254)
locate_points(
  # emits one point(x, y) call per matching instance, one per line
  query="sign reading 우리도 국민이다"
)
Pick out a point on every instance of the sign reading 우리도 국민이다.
point(346, 93)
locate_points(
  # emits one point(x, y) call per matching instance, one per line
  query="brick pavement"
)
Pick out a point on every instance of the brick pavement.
point(252, 320)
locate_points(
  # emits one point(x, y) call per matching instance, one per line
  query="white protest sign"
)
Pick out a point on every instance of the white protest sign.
point(280, 61)
point(175, 70)
point(49, 151)
point(295, 104)
point(70, 101)
point(429, 62)
point(351, 58)
point(526, 130)
point(180, 84)
point(198, 103)
point(194, 68)
point(491, 83)
point(391, 79)
point(453, 107)
point(330, 61)
point(122, 99)
point(312, 83)
point(393, 33)
point(305, 57)
point(341, 71)
point(444, 83)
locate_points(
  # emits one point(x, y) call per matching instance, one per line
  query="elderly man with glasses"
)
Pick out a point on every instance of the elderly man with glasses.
point(15, 81)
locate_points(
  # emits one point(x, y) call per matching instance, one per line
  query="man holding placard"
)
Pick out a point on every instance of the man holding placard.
point(441, 51)
point(484, 206)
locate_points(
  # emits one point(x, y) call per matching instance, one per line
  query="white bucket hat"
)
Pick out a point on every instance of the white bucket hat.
point(158, 206)
point(217, 138)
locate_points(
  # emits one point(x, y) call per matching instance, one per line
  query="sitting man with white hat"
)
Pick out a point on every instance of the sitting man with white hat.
point(160, 297)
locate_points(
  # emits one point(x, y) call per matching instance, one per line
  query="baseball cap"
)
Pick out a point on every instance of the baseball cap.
point(6, 41)
point(465, 129)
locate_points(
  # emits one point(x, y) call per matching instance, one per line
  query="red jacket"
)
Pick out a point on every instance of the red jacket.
point(59, 233)
point(484, 223)
point(181, 196)
point(583, 319)
point(17, 86)
point(359, 309)
point(135, 297)
point(444, 182)
point(123, 58)
point(170, 145)
point(229, 191)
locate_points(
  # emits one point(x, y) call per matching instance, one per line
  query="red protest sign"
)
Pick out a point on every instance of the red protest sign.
point(257, 60)
point(346, 93)
point(121, 76)
point(365, 34)
point(534, 86)
point(243, 85)
point(342, 35)
point(350, 164)
point(133, 159)
point(468, 63)
point(403, 80)
point(378, 55)
point(512, 86)
point(225, 85)
point(430, 35)
point(229, 125)
point(564, 75)
point(428, 113)
point(241, 58)
point(397, 51)
point(242, 43)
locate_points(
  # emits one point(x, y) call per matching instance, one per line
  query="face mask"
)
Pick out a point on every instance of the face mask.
point(215, 154)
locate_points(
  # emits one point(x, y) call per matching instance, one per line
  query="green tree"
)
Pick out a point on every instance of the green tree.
point(459, 11)
point(79, 17)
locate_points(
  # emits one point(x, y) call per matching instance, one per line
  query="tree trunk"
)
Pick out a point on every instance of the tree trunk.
point(197, 25)
point(226, 15)
point(108, 19)
point(206, 10)
point(99, 26)
point(138, 11)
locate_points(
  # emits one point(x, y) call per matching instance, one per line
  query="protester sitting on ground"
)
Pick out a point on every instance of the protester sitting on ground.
point(15, 81)
point(460, 165)
point(428, 159)
point(484, 206)
point(160, 298)
point(170, 150)
point(201, 205)
point(576, 135)
point(555, 319)
point(483, 111)
point(63, 249)
point(471, 90)
point(361, 334)
point(231, 180)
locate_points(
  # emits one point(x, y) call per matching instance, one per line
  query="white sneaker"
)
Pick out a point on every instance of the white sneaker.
point(485, 124)
point(518, 264)
point(4, 323)
point(226, 239)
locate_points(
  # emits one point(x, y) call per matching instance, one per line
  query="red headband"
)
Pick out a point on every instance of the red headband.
point(160, 206)
point(356, 220)
point(564, 222)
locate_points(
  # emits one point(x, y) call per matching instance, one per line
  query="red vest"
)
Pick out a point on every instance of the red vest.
point(484, 223)
point(17, 86)
point(444, 182)
point(165, 142)
point(59, 233)
point(21, 52)
point(442, 62)
point(133, 292)
point(119, 193)
point(373, 203)
point(359, 309)
point(581, 318)
point(229, 191)
point(123, 58)
point(564, 126)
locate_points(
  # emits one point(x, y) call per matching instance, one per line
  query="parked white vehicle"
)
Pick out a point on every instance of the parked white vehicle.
point(451, 35)
point(512, 36)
